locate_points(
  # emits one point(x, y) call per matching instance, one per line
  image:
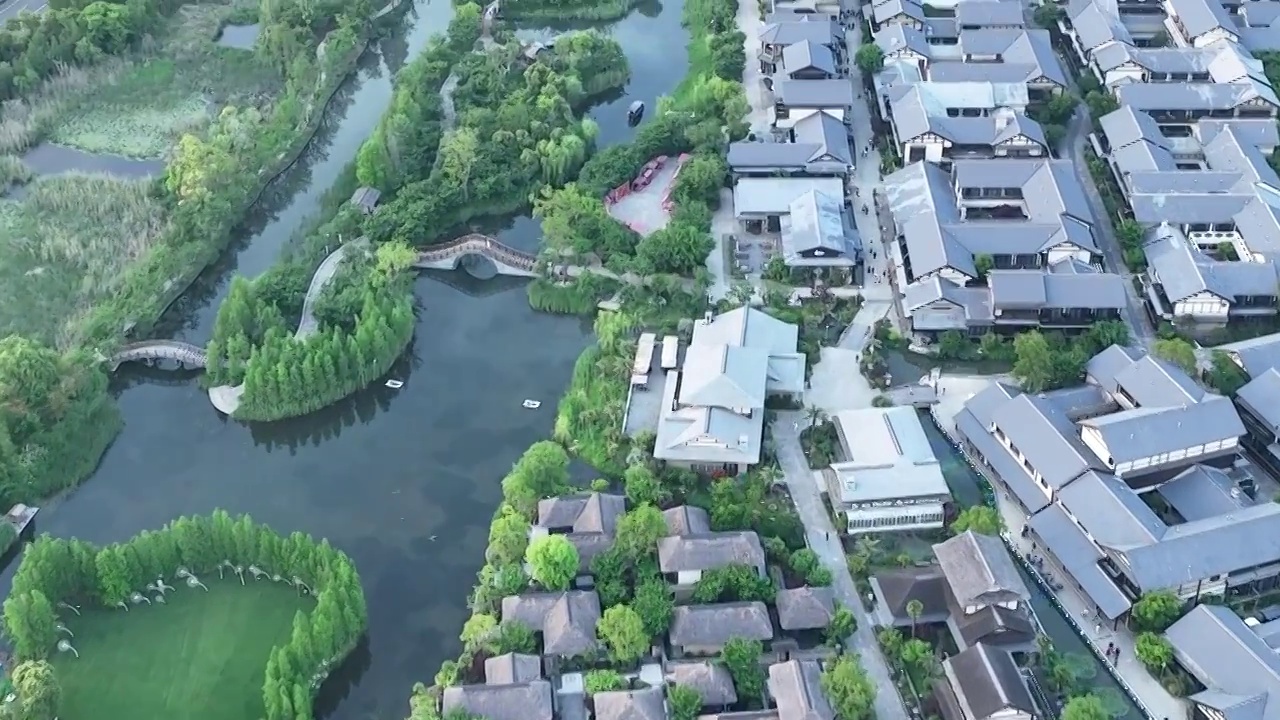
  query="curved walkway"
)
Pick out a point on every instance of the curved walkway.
point(185, 353)
point(448, 109)
point(438, 256)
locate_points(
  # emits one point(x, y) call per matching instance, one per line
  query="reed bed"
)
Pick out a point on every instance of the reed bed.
point(13, 171)
point(23, 121)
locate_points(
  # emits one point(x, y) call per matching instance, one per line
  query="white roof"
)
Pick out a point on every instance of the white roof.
point(889, 456)
point(774, 195)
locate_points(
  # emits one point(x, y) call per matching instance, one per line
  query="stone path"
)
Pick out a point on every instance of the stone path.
point(866, 172)
point(825, 541)
point(837, 382)
point(1134, 312)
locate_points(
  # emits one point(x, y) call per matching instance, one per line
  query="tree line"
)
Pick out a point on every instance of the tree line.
point(517, 130)
point(58, 572)
point(404, 144)
point(365, 318)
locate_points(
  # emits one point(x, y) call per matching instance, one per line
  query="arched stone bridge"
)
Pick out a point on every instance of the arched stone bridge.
point(186, 354)
point(506, 259)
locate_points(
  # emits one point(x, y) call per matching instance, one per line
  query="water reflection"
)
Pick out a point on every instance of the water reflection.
point(49, 159)
point(240, 37)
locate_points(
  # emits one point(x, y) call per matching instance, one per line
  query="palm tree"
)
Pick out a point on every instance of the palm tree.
point(915, 609)
point(867, 546)
point(815, 415)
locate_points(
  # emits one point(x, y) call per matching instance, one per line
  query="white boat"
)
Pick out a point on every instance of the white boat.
point(531, 404)
point(395, 384)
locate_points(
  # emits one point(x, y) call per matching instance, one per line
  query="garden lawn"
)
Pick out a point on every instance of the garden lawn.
point(201, 656)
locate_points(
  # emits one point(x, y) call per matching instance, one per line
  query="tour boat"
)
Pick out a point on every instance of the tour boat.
point(635, 112)
point(531, 404)
point(395, 384)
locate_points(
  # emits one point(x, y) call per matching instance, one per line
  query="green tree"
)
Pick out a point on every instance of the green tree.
point(643, 487)
point(683, 702)
point(850, 691)
point(915, 609)
point(983, 263)
point(1154, 651)
point(980, 519)
point(638, 532)
point(30, 623)
point(1177, 351)
point(508, 537)
point(655, 606)
point(514, 637)
point(1048, 15)
point(1103, 335)
point(869, 58)
point(741, 657)
point(553, 561)
point(843, 624)
point(954, 345)
point(596, 681)
point(1085, 707)
point(39, 693)
point(1155, 611)
point(478, 632)
point(1034, 367)
point(542, 472)
point(1225, 375)
point(623, 632)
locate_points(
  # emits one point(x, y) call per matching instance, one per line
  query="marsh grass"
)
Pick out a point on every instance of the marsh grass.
point(13, 171)
point(64, 245)
point(138, 106)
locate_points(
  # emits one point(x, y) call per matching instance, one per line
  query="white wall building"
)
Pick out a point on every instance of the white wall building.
point(889, 479)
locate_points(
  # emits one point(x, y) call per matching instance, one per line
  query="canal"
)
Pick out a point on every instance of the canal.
point(966, 487)
point(404, 481)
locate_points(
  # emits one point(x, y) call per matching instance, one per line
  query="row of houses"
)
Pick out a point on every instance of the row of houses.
point(1140, 480)
point(790, 180)
point(991, 233)
point(998, 245)
point(1189, 147)
point(535, 687)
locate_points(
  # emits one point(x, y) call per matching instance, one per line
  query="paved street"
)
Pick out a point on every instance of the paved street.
point(14, 7)
point(1134, 313)
point(837, 383)
point(825, 541)
point(866, 172)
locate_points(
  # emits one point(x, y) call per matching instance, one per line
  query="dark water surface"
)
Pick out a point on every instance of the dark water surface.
point(404, 481)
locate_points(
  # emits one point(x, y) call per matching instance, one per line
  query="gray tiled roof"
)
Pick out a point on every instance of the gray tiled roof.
point(646, 704)
point(686, 520)
point(1261, 397)
point(834, 93)
point(711, 679)
point(1240, 673)
point(1146, 432)
point(723, 376)
point(896, 587)
point(1127, 126)
point(986, 681)
point(891, 9)
point(512, 668)
point(920, 110)
point(1201, 16)
point(1105, 367)
point(990, 13)
point(583, 513)
point(567, 620)
point(1203, 491)
point(808, 55)
point(1096, 23)
point(711, 550)
point(821, 147)
point(1047, 438)
point(791, 28)
point(1155, 382)
point(1031, 49)
point(1184, 272)
point(1032, 289)
point(1110, 511)
point(716, 624)
point(1191, 96)
point(1255, 355)
point(517, 701)
point(805, 608)
point(817, 233)
point(895, 37)
point(796, 687)
point(1079, 557)
point(979, 570)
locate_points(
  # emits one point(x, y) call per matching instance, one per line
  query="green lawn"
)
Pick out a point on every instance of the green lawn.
point(201, 656)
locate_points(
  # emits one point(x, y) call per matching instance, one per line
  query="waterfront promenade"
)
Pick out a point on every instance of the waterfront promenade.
point(1142, 687)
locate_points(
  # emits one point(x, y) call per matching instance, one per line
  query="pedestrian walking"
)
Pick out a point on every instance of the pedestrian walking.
point(1117, 654)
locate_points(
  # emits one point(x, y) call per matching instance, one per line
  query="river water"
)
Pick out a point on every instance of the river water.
point(404, 481)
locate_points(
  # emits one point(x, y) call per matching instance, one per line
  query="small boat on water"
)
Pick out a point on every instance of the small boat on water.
point(635, 112)
point(531, 404)
point(395, 384)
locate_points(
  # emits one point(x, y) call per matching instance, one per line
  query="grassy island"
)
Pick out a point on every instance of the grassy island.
point(207, 618)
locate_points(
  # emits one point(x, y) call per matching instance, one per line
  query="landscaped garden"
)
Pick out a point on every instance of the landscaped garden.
point(199, 655)
point(207, 618)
